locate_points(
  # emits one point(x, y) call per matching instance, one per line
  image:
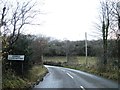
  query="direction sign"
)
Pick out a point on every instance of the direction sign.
point(16, 57)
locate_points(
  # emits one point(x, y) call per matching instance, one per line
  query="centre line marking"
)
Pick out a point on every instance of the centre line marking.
point(69, 75)
point(82, 87)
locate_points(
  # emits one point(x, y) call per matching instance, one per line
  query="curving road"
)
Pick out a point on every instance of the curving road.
point(59, 77)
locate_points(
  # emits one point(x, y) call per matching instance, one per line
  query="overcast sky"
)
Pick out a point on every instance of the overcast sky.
point(66, 19)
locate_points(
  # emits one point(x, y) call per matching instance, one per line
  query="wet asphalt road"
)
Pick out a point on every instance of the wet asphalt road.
point(59, 77)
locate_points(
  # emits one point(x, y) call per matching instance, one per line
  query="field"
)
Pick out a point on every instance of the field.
point(78, 59)
point(56, 59)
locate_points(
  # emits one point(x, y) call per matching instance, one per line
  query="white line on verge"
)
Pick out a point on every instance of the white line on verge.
point(69, 75)
point(82, 87)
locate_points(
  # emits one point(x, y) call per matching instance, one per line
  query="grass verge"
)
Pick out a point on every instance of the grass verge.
point(36, 74)
point(112, 75)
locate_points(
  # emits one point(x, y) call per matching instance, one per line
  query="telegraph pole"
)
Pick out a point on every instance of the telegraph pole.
point(86, 47)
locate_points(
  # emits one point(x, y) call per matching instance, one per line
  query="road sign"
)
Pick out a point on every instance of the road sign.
point(16, 57)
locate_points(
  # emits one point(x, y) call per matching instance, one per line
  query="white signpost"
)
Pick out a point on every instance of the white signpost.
point(16, 57)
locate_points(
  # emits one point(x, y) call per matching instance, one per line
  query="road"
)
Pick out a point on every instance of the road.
point(59, 77)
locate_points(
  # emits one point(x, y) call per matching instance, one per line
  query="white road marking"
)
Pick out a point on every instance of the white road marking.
point(70, 75)
point(63, 70)
point(82, 87)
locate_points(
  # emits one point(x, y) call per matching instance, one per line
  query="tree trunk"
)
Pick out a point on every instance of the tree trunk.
point(104, 51)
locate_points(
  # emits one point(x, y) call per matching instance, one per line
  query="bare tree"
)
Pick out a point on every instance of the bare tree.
point(2, 18)
point(18, 15)
point(2, 23)
point(21, 16)
point(38, 46)
point(115, 26)
point(104, 26)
